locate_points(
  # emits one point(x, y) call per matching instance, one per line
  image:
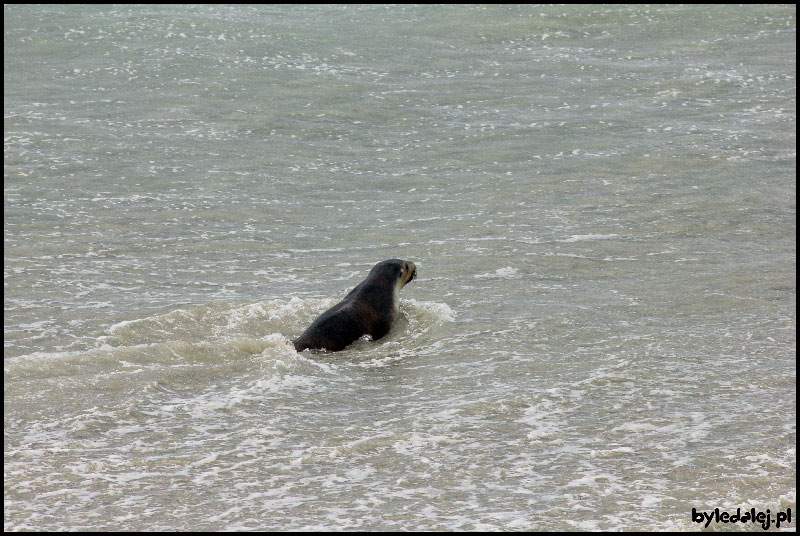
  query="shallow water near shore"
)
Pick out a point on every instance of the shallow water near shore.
point(600, 201)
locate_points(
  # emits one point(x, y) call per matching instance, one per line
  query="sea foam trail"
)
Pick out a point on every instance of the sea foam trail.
point(216, 331)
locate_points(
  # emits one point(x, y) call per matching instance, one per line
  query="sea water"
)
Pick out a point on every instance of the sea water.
point(600, 201)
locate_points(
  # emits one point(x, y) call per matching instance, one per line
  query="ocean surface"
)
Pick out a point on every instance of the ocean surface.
point(600, 201)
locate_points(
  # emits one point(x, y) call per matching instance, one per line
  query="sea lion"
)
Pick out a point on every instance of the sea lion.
point(368, 309)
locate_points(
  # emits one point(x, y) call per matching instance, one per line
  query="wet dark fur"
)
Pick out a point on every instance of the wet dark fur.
point(368, 309)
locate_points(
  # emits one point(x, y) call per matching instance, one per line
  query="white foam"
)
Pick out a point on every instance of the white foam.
point(543, 420)
point(416, 443)
point(429, 310)
point(588, 237)
point(508, 272)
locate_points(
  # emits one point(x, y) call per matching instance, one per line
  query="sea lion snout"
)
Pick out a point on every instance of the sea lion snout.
point(409, 272)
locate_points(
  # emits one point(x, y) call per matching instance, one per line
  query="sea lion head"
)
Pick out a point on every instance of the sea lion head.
point(396, 270)
point(409, 272)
